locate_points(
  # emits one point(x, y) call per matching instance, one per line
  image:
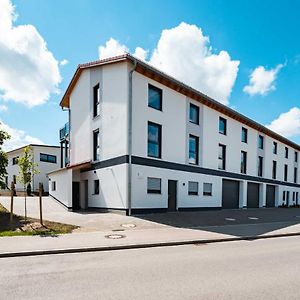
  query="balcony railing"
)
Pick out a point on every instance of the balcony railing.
point(64, 132)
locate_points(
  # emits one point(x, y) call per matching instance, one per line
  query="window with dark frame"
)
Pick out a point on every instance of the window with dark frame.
point(193, 188)
point(154, 97)
point(260, 166)
point(274, 148)
point(193, 150)
point(153, 185)
point(222, 157)
point(222, 126)
point(96, 100)
point(243, 162)
point(286, 152)
point(244, 135)
point(207, 189)
point(260, 142)
point(48, 158)
point(295, 175)
point(296, 156)
point(96, 186)
point(194, 114)
point(154, 140)
point(285, 172)
point(274, 169)
point(96, 145)
point(15, 160)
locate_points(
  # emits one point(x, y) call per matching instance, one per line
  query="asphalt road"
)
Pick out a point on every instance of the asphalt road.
point(262, 269)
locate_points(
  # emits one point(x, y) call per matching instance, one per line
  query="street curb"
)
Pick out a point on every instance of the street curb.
point(140, 246)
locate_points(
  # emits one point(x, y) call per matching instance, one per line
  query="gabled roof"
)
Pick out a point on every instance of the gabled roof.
point(169, 81)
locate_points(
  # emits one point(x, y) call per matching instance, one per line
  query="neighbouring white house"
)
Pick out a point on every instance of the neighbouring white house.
point(139, 140)
point(47, 159)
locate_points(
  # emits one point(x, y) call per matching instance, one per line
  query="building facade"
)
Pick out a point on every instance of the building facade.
point(47, 159)
point(139, 140)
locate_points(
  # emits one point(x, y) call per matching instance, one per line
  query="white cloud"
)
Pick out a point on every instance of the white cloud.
point(18, 138)
point(63, 62)
point(287, 124)
point(29, 72)
point(3, 108)
point(185, 53)
point(262, 81)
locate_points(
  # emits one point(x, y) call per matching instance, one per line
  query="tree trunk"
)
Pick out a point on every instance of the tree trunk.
point(25, 204)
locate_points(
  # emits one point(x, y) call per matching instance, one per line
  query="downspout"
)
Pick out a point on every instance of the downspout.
point(129, 145)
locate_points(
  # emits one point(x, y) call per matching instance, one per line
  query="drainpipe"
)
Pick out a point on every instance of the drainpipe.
point(129, 145)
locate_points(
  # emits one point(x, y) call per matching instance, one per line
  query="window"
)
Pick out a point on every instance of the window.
point(244, 135)
point(14, 179)
point(296, 156)
point(194, 114)
point(96, 186)
point(193, 188)
point(15, 160)
point(154, 140)
point(96, 145)
point(207, 189)
point(154, 185)
point(243, 162)
point(53, 186)
point(285, 172)
point(48, 158)
point(295, 175)
point(96, 100)
point(286, 152)
point(274, 169)
point(222, 157)
point(154, 97)
point(222, 126)
point(260, 166)
point(274, 147)
point(193, 150)
point(260, 142)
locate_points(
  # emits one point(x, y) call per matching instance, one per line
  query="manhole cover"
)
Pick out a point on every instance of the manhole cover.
point(230, 219)
point(128, 225)
point(115, 236)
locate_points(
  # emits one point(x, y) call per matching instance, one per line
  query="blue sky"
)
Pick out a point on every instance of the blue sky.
point(255, 33)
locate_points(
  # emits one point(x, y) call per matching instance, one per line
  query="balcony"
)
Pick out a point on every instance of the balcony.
point(64, 132)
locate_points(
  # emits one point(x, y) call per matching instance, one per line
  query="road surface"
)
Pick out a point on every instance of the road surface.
point(262, 269)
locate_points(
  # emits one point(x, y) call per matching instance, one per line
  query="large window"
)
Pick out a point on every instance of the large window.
point(96, 100)
point(193, 188)
point(154, 97)
point(193, 150)
point(295, 175)
point(244, 135)
point(222, 157)
point(96, 145)
point(243, 162)
point(222, 126)
point(96, 187)
point(285, 172)
point(48, 158)
point(274, 147)
point(274, 169)
point(154, 185)
point(260, 166)
point(194, 113)
point(154, 140)
point(260, 142)
point(286, 152)
point(15, 160)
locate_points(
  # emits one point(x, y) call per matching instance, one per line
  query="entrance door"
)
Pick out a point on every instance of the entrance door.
point(253, 195)
point(288, 198)
point(172, 195)
point(230, 194)
point(75, 195)
point(270, 196)
point(86, 194)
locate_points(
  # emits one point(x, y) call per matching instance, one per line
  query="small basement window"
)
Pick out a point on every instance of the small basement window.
point(193, 188)
point(207, 189)
point(154, 185)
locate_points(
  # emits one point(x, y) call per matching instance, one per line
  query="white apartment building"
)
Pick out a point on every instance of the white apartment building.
point(139, 140)
point(47, 159)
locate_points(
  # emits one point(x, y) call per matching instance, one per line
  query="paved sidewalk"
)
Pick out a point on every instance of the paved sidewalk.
point(98, 241)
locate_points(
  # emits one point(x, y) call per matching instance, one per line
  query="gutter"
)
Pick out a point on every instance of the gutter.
point(129, 145)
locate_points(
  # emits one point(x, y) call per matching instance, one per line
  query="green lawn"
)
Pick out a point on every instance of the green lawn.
point(30, 227)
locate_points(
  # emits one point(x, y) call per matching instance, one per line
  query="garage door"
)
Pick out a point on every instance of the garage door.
point(270, 196)
point(253, 195)
point(230, 193)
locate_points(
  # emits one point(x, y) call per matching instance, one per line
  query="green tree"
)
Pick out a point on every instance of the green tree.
point(27, 168)
point(3, 158)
